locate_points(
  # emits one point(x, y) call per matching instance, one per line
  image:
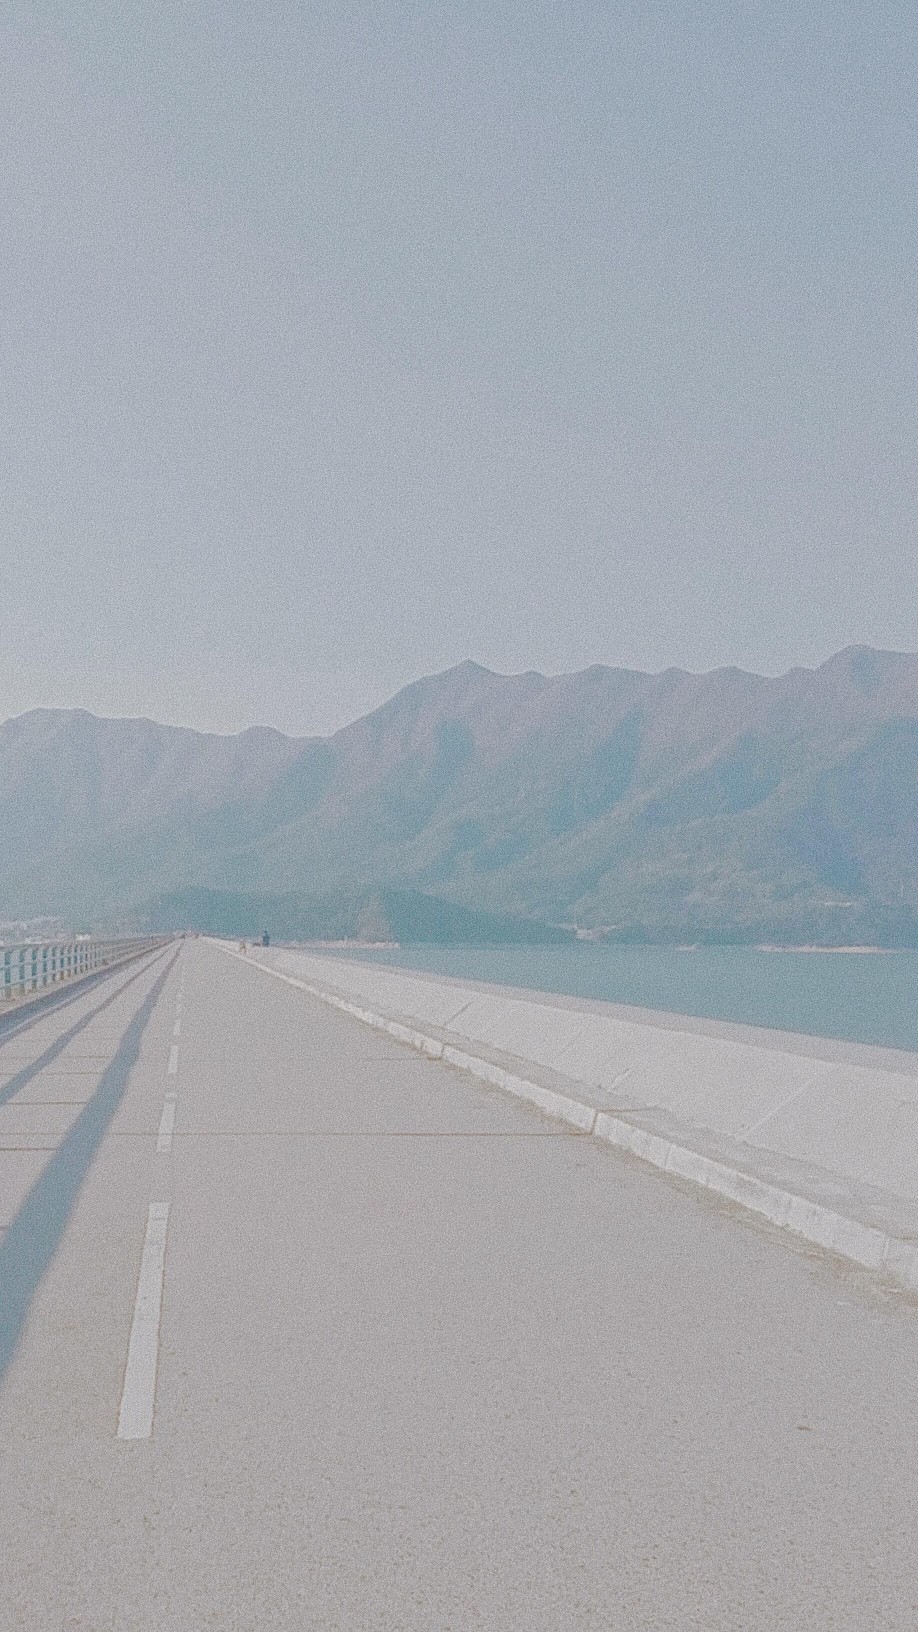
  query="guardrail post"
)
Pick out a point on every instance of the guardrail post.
point(32, 966)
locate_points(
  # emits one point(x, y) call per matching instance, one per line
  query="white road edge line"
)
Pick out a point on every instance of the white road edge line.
point(135, 1418)
point(173, 1060)
point(166, 1125)
point(177, 1028)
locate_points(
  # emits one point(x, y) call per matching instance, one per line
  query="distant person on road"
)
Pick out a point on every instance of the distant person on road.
point(265, 938)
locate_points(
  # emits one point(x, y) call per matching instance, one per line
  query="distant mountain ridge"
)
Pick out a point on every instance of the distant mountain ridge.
point(672, 806)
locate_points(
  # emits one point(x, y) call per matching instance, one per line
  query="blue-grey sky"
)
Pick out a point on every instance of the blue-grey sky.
point(341, 342)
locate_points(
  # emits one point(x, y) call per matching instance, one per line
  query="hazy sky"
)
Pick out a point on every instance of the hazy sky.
point(341, 342)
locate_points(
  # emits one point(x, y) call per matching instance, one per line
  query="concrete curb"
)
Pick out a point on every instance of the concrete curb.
point(896, 1257)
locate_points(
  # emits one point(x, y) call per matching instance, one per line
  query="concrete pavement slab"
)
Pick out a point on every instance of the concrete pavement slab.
point(423, 1368)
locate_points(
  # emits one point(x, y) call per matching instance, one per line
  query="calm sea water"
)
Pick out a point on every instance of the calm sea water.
point(870, 998)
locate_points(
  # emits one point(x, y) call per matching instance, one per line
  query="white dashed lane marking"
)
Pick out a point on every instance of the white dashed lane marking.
point(135, 1419)
point(166, 1125)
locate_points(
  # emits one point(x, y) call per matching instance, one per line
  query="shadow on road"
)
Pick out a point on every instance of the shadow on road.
point(34, 1235)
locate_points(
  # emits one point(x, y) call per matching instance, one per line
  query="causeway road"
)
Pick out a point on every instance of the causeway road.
point(301, 1330)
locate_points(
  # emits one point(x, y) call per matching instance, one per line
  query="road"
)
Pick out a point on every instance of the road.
point(422, 1359)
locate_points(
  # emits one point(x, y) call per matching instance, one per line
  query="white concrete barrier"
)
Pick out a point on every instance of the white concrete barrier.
point(819, 1137)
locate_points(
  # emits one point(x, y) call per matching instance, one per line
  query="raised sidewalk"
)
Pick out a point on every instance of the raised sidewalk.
point(820, 1137)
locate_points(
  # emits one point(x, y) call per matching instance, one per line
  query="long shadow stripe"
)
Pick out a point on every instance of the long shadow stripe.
point(51, 1002)
point(56, 1048)
point(35, 1233)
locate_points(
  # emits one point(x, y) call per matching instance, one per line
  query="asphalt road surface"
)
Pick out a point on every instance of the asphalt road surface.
point(300, 1330)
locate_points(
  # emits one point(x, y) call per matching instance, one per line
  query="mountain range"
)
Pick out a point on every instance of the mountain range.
point(671, 806)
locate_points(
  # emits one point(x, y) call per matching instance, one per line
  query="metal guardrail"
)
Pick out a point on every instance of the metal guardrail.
point(36, 964)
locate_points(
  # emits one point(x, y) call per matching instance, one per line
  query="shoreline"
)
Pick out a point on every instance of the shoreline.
point(850, 951)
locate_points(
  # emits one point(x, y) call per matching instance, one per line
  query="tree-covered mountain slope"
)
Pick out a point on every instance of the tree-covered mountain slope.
point(674, 805)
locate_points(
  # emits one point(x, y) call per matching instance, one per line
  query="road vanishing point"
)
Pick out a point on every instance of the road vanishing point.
point(302, 1330)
